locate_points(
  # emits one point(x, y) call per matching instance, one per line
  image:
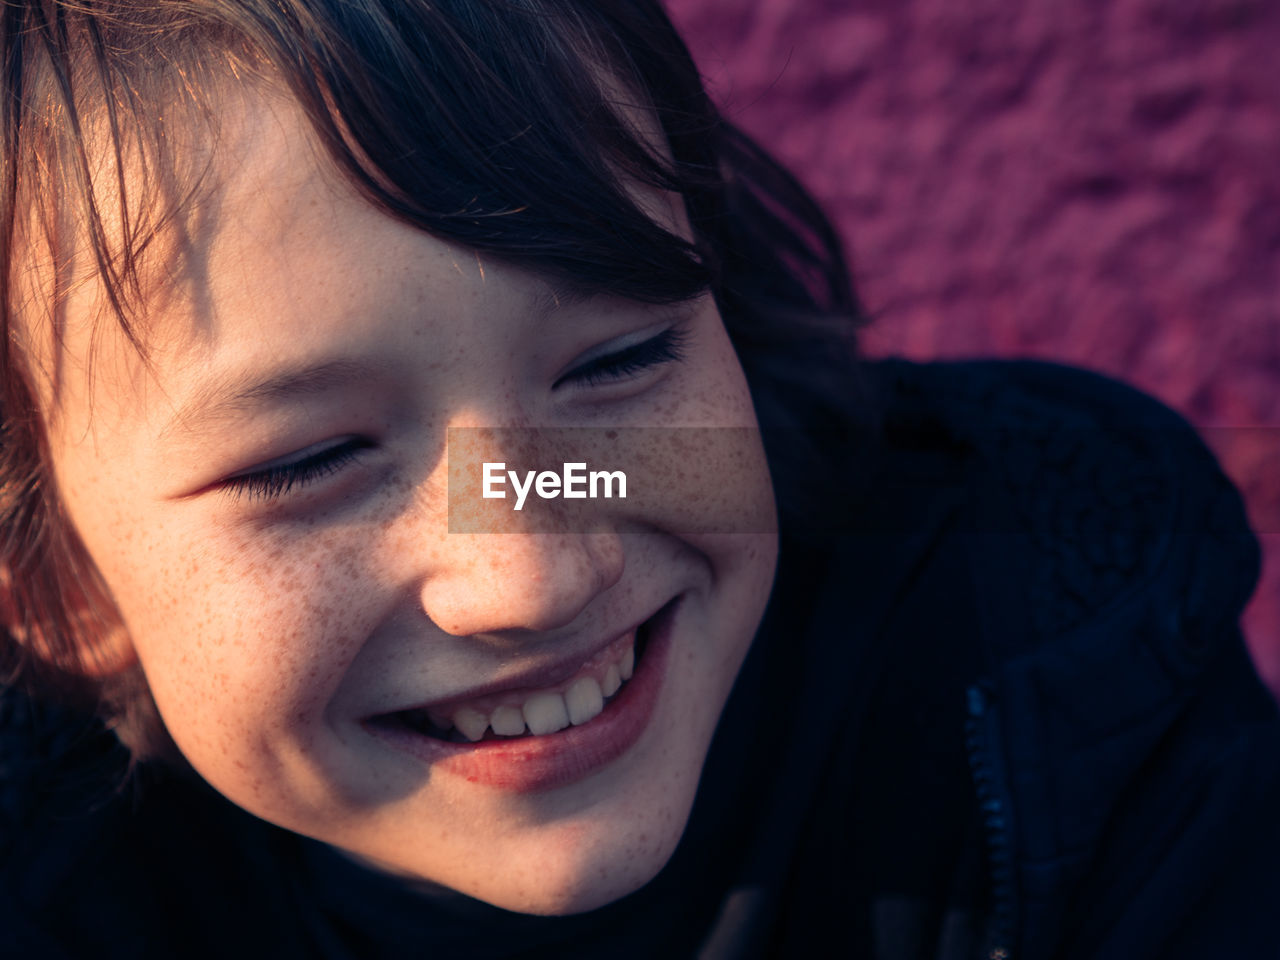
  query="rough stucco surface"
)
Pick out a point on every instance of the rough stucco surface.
point(1090, 181)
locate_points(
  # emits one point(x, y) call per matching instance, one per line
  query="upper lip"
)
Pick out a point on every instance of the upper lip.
point(536, 676)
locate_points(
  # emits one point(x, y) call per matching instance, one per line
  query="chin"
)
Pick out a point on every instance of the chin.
point(559, 863)
point(563, 884)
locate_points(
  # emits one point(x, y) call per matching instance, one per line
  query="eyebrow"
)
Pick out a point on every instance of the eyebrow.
point(559, 297)
point(237, 393)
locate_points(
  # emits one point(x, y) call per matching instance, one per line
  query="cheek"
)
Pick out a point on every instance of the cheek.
point(241, 641)
point(717, 392)
point(707, 473)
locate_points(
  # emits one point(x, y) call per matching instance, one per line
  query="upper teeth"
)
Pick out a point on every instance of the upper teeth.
point(548, 710)
point(507, 721)
point(612, 681)
point(583, 700)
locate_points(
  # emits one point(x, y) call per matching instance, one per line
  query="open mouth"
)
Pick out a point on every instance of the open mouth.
point(537, 713)
point(564, 733)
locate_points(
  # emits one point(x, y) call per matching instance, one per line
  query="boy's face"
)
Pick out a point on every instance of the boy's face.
point(266, 499)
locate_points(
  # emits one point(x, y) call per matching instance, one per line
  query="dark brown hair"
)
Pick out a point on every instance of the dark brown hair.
point(494, 124)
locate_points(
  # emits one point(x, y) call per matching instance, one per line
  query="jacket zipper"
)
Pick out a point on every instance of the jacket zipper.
point(983, 745)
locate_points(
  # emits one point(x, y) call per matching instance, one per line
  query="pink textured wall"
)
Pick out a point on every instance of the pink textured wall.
point(1090, 181)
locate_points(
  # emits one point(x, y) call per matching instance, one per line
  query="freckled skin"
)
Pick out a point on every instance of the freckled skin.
point(269, 630)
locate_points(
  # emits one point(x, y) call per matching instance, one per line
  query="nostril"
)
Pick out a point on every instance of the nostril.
point(609, 558)
point(494, 583)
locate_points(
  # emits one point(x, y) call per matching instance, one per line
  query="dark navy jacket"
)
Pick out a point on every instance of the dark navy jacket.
point(1083, 545)
point(1000, 707)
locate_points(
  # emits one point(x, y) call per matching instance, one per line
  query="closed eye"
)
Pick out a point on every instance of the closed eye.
point(666, 347)
point(274, 481)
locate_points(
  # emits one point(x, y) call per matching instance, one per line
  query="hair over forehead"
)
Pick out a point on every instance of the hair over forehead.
point(493, 124)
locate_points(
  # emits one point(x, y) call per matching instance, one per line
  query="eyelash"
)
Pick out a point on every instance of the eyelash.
point(666, 347)
point(271, 483)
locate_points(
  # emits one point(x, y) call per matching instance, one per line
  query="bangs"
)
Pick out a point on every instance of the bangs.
point(521, 129)
point(516, 129)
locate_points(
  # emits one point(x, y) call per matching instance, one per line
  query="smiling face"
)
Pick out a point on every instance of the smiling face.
point(266, 500)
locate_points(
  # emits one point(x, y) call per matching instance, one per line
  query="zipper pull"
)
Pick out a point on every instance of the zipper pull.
point(982, 745)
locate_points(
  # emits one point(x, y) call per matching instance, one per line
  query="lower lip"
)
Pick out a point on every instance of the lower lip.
point(530, 764)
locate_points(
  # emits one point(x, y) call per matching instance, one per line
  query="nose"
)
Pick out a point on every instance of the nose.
point(490, 583)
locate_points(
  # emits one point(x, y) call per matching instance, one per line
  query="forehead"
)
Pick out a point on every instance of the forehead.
point(272, 230)
point(247, 214)
point(146, 218)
